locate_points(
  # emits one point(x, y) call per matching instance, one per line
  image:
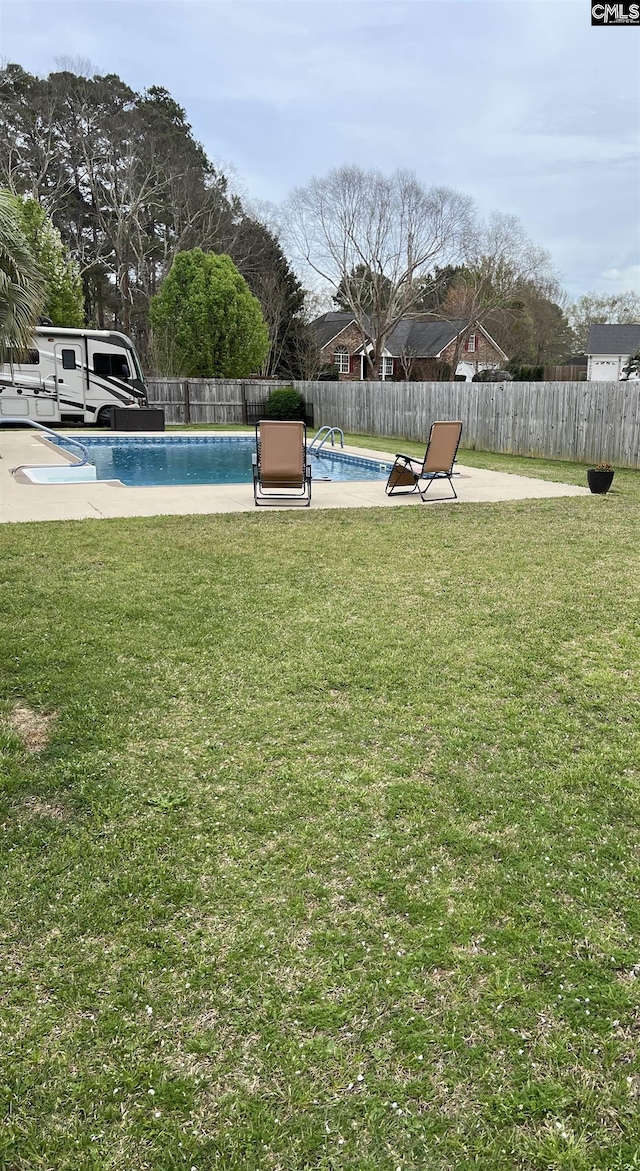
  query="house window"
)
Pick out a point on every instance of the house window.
point(385, 370)
point(472, 343)
point(341, 359)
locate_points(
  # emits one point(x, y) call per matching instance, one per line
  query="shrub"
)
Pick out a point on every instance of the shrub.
point(492, 376)
point(284, 403)
point(526, 373)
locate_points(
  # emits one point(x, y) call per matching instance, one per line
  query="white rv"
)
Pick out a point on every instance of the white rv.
point(72, 374)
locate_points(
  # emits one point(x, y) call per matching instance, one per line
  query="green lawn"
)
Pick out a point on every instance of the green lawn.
point(327, 855)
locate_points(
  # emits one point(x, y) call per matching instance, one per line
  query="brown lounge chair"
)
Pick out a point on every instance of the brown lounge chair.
point(280, 462)
point(439, 458)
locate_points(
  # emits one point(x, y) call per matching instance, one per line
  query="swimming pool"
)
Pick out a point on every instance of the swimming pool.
point(221, 459)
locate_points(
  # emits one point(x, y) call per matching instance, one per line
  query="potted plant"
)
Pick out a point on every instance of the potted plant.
point(600, 478)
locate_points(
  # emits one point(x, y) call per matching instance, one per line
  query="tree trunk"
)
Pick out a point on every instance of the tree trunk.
point(456, 356)
point(371, 368)
point(123, 284)
point(100, 299)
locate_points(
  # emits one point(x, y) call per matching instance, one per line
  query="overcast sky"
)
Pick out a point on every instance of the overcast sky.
point(519, 103)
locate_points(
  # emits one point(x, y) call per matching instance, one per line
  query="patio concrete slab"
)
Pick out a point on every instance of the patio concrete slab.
point(23, 501)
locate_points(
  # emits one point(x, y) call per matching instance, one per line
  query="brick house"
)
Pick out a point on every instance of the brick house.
point(417, 350)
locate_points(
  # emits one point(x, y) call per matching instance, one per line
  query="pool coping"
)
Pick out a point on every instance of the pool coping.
point(104, 499)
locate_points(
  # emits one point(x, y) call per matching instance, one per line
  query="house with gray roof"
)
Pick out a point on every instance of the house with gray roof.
point(418, 349)
point(609, 348)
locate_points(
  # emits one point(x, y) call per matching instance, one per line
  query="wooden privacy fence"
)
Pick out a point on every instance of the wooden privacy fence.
point(565, 373)
point(583, 421)
point(207, 400)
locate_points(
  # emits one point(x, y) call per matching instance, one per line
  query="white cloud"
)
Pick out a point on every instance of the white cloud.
point(622, 281)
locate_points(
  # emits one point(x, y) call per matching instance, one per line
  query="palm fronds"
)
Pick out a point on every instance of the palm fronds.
point(21, 284)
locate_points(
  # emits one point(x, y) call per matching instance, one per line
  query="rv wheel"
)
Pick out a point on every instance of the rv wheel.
point(104, 417)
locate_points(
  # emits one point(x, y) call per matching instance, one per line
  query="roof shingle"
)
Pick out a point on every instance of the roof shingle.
point(614, 339)
point(422, 339)
point(329, 325)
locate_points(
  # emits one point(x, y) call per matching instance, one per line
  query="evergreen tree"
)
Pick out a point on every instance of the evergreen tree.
point(206, 321)
point(361, 286)
point(129, 187)
point(259, 257)
point(122, 177)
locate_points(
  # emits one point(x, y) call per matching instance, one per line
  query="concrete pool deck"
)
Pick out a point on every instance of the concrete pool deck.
point(23, 501)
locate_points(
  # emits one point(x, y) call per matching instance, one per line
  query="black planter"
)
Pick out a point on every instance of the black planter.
point(599, 482)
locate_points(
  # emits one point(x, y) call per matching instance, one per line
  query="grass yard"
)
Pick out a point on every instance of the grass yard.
point(320, 838)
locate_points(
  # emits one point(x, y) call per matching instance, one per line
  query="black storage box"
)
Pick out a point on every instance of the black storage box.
point(137, 419)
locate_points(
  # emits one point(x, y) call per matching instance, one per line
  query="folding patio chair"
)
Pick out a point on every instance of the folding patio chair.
point(439, 458)
point(281, 474)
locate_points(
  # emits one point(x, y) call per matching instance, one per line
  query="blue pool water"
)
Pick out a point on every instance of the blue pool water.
point(167, 460)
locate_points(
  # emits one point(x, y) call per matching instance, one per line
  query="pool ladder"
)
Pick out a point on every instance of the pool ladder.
point(327, 433)
point(47, 430)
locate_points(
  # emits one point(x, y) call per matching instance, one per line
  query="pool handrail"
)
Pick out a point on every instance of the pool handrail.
point(47, 430)
point(331, 432)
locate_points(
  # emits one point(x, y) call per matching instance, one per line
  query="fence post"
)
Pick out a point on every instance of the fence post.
point(243, 398)
point(187, 401)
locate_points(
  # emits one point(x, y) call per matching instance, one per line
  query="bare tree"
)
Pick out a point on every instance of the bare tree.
point(392, 226)
point(273, 296)
point(602, 309)
point(81, 66)
point(501, 262)
point(304, 351)
point(407, 358)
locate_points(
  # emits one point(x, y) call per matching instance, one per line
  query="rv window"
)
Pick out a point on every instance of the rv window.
point(110, 366)
point(68, 359)
point(25, 357)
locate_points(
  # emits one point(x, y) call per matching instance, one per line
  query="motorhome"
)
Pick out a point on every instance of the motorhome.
point(72, 375)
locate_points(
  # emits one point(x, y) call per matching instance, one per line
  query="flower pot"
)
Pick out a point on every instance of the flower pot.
point(599, 482)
